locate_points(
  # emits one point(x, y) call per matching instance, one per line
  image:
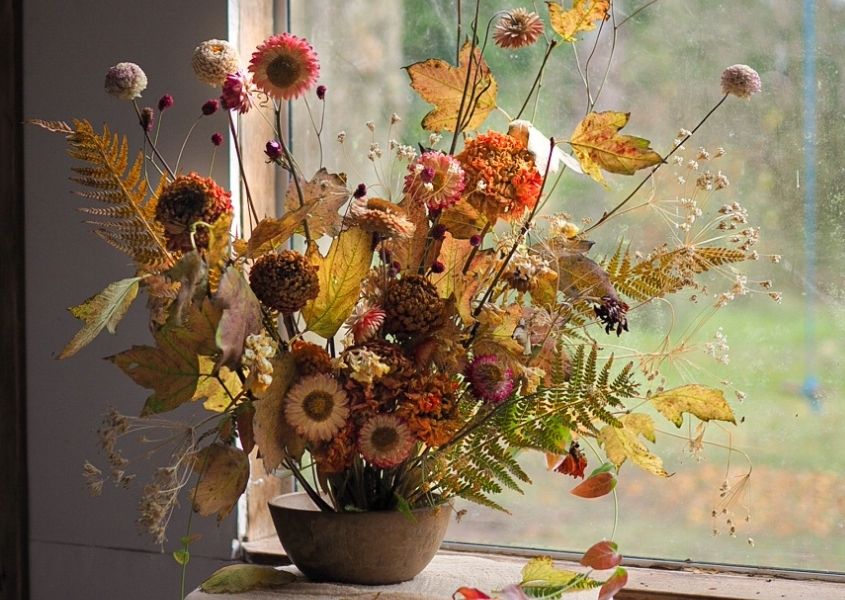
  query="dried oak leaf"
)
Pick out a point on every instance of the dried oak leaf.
point(439, 83)
point(598, 145)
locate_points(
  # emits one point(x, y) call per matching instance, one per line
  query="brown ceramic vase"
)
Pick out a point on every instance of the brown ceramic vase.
point(371, 548)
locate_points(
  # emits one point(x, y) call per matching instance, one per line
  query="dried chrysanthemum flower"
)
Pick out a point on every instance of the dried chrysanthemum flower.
point(284, 281)
point(235, 94)
point(184, 202)
point(380, 216)
point(309, 358)
point(518, 28)
point(489, 380)
point(501, 179)
point(435, 179)
point(126, 81)
point(741, 80)
point(213, 60)
point(385, 441)
point(336, 455)
point(612, 312)
point(317, 407)
point(285, 66)
point(412, 306)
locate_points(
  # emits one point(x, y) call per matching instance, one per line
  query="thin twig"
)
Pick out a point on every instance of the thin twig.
point(537, 79)
point(651, 173)
point(292, 171)
point(150, 141)
point(253, 213)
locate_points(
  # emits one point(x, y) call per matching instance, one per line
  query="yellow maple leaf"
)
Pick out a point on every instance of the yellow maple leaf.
point(582, 17)
point(599, 145)
point(340, 273)
point(439, 83)
point(622, 443)
point(706, 403)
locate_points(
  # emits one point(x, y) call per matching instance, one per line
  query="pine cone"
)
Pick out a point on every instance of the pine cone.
point(412, 306)
point(188, 199)
point(284, 281)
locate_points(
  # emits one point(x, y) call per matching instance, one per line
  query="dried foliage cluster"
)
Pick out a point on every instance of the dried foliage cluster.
point(439, 332)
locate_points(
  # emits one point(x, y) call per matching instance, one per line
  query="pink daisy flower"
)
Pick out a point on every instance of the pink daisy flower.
point(285, 66)
point(385, 441)
point(488, 380)
point(435, 179)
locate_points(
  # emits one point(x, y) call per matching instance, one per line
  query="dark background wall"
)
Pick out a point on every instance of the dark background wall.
point(83, 547)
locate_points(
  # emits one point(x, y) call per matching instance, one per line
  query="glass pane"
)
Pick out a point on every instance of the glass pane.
point(781, 363)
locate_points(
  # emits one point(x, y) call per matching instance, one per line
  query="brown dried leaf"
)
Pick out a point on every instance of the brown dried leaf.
point(273, 435)
point(325, 194)
point(463, 220)
point(223, 472)
point(271, 233)
point(581, 277)
point(241, 316)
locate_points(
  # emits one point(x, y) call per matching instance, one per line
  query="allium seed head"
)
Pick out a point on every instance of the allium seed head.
point(741, 81)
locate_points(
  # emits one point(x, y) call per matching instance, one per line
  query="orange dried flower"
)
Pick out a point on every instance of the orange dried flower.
point(501, 179)
point(310, 359)
point(336, 455)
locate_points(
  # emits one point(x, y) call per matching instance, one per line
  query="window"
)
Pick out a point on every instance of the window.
point(785, 359)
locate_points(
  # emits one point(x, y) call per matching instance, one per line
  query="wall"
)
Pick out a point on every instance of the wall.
point(82, 547)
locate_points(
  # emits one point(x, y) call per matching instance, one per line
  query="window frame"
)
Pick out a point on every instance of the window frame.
point(652, 578)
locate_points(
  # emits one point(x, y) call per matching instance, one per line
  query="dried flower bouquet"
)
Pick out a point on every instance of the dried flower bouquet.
point(446, 329)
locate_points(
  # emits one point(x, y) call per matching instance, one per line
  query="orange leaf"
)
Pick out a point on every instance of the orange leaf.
point(439, 83)
point(601, 556)
point(270, 232)
point(582, 17)
point(616, 582)
point(470, 594)
point(595, 486)
point(598, 145)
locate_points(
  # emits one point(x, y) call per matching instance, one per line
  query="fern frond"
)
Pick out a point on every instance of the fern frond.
point(54, 126)
point(111, 180)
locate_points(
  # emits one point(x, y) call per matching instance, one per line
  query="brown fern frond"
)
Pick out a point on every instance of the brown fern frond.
point(111, 180)
point(53, 126)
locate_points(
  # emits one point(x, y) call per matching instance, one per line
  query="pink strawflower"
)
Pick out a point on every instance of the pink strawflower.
point(517, 28)
point(435, 179)
point(235, 94)
point(385, 441)
point(488, 380)
point(285, 66)
point(365, 322)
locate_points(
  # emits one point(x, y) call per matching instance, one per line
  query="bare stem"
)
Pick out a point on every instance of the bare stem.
point(549, 48)
point(253, 214)
point(293, 174)
point(150, 141)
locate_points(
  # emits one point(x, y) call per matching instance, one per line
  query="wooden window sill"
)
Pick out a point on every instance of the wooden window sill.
point(665, 581)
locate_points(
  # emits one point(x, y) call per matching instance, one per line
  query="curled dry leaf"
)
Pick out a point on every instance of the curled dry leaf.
point(325, 193)
point(241, 316)
point(602, 555)
point(705, 403)
point(223, 474)
point(104, 310)
point(617, 581)
point(275, 438)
